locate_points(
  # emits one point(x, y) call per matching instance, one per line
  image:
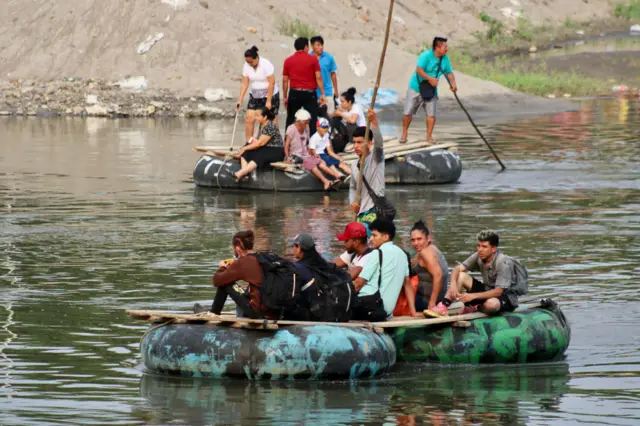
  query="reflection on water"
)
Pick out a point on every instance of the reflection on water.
point(100, 215)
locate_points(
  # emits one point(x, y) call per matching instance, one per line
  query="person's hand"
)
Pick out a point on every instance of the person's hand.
point(336, 103)
point(373, 119)
point(355, 207)
point(322, 101)
point(418, 315)
point(433, 81)
point(454, 88)
point(223, 264)
point(268, 104)
point(466, 297)
point(286, 102)
point(431, 306)
point(453, 293)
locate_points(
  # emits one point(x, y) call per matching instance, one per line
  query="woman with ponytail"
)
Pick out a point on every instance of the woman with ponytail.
point(346, 119)
point(258, 77)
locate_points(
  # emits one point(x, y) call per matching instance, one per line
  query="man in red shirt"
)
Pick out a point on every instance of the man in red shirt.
point(301, 77)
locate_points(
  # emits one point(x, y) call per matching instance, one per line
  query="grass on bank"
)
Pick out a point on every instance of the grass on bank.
point(629, 11)
point(536, 80)
point(296, 28)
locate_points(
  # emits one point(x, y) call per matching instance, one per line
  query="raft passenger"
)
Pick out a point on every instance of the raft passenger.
point(373, 170)
point(321, 145)
point(356, 249)
point(296, 145)
point(347, 118)
point(258, 77)
point(267, 149)
point(430, 266)
point(246, 268)
point(499, 288)
point(379, 283)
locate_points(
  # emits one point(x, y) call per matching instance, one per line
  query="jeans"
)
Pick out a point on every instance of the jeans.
point(239, 296)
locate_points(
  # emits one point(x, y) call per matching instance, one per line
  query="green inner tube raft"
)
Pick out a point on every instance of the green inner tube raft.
point(531, 335)
point(322, 351)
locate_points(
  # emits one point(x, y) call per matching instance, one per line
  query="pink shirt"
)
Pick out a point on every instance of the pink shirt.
point(298, 143)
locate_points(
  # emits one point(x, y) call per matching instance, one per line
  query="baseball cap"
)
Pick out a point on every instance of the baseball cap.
point(322, 122)
point(353, 230)
point(304, 241)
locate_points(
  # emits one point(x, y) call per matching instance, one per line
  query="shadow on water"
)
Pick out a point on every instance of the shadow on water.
point(502, 395)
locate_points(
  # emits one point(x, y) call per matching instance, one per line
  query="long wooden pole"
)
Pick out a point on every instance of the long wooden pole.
point(365, 149)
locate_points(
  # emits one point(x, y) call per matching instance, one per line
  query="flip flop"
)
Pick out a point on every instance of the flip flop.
point(402, 141)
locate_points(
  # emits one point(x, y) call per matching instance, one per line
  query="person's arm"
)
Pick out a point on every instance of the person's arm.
point(358, 283)
point(369, 269)
point(504, 279)
point(432, 81)
point(433, 268)
point(331, 153)
point(271, 79)
point(262, 141)
point(355, 271)
point(320, 83)
point(484, 295)
point(378, 141)
point(243, 91)
point(448, 71)
point(353, 189)
point(334, 81)
point(410, 294)
point(351, 119)
point(468, 265)
point(287, 145)
point(452, 82)
point(339, 262)
point(225, 276)
point(285, 84)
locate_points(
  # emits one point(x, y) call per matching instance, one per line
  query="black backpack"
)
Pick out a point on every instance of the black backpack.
point(334, 295)
point(280, 289)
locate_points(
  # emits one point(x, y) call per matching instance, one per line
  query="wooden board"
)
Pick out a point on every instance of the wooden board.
point(210, 318)
point(405, 149)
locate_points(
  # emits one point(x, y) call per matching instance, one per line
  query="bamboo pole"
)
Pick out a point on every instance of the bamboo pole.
point(373, 103)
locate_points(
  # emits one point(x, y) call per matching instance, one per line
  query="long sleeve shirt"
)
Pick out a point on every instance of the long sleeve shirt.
point(373, 172)
point(247, 268)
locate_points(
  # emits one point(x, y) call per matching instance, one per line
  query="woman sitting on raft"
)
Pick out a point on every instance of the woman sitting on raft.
point(321, 145)
point(244, 268)
point(295, 145)
point(346, 119)
point(267, 149)
point(430, 266)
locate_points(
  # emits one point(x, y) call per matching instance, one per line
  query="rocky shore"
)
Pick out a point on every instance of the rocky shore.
point(101, 98)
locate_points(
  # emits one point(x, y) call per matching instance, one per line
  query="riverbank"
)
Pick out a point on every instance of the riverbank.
point(179, 58)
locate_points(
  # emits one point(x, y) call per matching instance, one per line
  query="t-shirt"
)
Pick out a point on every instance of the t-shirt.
point(429, 63)
point(327, 66)
point(358, 260)
point(259, 85)
point(272, 130)
point(319, 143)
point(373, 172)
point(298, 142)
point(395, 269)
point(357, 109)
point(301, 69)
point(499, 273)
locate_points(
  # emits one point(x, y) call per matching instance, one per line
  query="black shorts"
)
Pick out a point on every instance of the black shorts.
point(259, 103)
point(479, 287)
point(264, 156)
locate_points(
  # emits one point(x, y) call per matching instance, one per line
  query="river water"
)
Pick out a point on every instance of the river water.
point(101, 215)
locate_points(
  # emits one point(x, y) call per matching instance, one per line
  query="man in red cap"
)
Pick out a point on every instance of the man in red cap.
point(357, 249)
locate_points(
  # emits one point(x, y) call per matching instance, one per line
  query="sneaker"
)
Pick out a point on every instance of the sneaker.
point(469, 310)
point(198, 309)
point(439, 311)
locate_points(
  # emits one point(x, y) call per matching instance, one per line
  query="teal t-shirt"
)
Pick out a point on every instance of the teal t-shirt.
point(429, 63)
point(395, 267)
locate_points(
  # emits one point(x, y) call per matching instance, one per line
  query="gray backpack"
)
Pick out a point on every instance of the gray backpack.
point(522, 277)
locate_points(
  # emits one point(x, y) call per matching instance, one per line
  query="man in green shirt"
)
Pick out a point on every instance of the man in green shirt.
point(430, 66)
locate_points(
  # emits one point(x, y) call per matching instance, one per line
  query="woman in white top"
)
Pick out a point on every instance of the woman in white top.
point(258, 76)
point(346, 119)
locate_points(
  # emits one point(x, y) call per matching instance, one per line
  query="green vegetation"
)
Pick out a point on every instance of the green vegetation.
point(497, 35)
point(296, 28)
point(570, 23)
point(630, 11)
point(536, 80)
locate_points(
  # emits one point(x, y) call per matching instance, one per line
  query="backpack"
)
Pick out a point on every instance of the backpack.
point(334, 295)
point(522, 277)
point(339, 135)
point(280, 289)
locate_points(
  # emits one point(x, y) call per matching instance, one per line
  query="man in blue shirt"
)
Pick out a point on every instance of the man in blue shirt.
point(328, 68)
point(430, 66)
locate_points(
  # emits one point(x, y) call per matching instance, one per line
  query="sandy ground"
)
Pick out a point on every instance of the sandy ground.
point(199, 45)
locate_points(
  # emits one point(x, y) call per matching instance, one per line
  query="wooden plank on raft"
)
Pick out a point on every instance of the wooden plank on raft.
point(405, 150)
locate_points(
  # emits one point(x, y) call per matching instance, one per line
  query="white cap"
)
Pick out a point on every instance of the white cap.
point(303, 115)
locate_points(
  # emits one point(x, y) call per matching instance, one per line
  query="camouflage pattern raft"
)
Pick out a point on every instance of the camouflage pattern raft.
point(313, 351)
point(529, 335)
